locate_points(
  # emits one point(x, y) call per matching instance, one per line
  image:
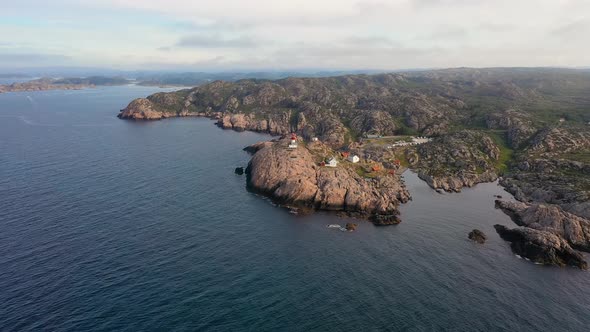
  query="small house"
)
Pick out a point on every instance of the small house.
point(332, 162)
point(314, 139)
point(354, 159)
point(345, 154)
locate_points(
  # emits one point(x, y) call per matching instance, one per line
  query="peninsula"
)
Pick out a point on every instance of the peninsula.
point(43, 84)
point(527, 127)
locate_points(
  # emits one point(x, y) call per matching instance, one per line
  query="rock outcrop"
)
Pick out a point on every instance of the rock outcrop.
point(554, 169)
point(541, 247)
point(350, 226)
point(142, 109)
point(477, 236)
point(293, 177)
point(518, 125)
point(550, 218)
point(454, 161)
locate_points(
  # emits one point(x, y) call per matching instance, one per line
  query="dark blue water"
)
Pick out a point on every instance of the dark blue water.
point(116, 225)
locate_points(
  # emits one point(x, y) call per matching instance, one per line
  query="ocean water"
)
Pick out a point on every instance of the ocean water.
point(111, 225)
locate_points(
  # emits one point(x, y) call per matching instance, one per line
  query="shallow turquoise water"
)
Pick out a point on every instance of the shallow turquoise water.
point(118, 225)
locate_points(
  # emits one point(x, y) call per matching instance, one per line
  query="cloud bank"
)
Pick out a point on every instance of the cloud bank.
point(327, 34)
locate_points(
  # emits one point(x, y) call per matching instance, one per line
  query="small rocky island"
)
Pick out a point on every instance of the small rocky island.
point(455, 128)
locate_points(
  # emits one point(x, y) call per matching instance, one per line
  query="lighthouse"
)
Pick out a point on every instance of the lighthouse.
point(293, 144)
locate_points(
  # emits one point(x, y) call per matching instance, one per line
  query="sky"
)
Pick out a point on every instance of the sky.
point(294, 34)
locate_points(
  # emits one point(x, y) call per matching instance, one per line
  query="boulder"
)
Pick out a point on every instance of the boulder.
point(239, 170)
point(477, 236)
point(350, 227)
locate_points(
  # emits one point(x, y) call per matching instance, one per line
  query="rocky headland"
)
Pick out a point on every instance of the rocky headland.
point(298, 178)
point(457, 160)
point(541, 247)
point(43, 84)
point(547, 234)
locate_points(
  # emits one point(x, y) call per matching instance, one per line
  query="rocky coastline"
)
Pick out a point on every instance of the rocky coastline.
point(73, 83)
point(542, 160)
point(546, 234)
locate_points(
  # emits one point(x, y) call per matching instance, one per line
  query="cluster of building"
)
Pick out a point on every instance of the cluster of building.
point(415, 141)
point(333, 162)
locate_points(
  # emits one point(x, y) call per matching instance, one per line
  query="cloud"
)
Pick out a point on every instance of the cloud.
point(215, 41)
point(348, 34)
point(576, 27)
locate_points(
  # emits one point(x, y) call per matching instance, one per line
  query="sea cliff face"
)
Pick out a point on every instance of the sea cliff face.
point(294, 177)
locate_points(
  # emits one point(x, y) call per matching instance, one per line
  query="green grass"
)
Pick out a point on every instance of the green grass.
point(506, 153)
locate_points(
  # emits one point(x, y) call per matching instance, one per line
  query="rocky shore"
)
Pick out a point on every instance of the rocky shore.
point(41, 85)
point(72, 83)
point(294, 177)
point(547, 234)
point(541, 247)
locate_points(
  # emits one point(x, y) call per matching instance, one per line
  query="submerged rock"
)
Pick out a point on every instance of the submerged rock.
point(350, 227)
point(239, 170)
point(477, 236)
point(541, 246)
point(385, 220)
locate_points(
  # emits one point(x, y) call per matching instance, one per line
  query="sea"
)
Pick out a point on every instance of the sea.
point(114, 225)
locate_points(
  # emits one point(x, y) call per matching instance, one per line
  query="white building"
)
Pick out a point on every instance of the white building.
point(314, 139)
point(354, 159)
point(332, 162)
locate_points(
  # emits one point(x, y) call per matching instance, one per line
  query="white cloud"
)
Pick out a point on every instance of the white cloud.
point(387, 34)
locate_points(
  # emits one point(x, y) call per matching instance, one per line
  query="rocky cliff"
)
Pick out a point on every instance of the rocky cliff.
point(294, 177)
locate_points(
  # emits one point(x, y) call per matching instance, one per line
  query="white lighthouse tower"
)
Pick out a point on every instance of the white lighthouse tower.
point(293, 144)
